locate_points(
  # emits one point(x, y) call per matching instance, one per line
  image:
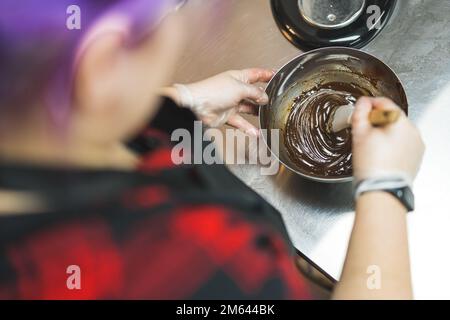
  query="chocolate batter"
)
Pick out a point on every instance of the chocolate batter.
point(310, 145)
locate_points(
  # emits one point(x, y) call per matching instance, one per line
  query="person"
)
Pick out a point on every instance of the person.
point(91, 205)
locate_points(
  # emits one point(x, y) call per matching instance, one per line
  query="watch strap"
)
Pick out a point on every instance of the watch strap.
point(398, 187)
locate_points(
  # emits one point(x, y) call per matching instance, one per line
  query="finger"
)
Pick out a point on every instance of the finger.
point(240, 123)
point(222, 118)
point(360, 118)
point(254, 94)
point(384, 104)
point(248, 108)
point(255, 75)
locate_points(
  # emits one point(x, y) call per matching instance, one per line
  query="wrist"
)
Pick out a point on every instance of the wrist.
point(395, 186)
point(382, 200)
point(171, 93)
point(184, 96)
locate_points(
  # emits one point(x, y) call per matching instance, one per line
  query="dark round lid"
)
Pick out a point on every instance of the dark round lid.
point(312, 24)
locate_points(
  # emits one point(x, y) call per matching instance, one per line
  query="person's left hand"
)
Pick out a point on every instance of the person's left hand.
point(220, 99)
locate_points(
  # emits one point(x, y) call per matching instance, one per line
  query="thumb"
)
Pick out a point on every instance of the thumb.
point(360, 118)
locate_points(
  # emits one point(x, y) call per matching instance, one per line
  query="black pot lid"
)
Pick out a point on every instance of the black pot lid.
point(312, 24)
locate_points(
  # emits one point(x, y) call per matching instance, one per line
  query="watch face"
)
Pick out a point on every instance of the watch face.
point(409, 199)
point(311, 24)
point(406, 197)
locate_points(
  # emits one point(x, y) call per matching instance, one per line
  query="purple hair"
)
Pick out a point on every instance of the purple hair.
point(38, 50)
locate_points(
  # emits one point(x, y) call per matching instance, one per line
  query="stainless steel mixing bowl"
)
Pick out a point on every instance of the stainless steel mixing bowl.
point(319, 67)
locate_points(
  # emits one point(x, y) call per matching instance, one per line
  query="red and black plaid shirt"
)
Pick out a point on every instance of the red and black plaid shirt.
point(162, 232)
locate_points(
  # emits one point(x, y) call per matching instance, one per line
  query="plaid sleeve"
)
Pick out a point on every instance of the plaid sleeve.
point(149, 245)
point(198, 252)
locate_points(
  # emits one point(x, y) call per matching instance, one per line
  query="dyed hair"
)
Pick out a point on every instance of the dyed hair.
point(38, 50)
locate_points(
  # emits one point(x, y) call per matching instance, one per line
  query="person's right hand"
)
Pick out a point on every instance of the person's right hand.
point(396, 149)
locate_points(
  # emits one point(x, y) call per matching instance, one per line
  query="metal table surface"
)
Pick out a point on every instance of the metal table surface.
point(319, 217)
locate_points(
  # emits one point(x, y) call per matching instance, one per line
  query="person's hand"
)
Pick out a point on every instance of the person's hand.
point(220, 99)
point(396, 149)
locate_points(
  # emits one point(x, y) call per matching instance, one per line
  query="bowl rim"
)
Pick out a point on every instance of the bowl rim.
point(298, 57)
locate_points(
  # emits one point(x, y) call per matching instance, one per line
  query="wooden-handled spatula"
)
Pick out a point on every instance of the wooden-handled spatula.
point(378, 118)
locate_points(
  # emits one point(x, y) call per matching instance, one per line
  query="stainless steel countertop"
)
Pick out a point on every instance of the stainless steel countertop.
point(319, 217)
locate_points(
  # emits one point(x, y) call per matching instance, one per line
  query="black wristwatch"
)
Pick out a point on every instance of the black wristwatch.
point(404, 195)
point(397, 187)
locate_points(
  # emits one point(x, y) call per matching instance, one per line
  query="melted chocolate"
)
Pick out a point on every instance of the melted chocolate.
point(310, 144)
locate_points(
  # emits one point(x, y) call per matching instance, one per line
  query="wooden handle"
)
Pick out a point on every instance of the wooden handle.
point(340, 120)
point(380, 118)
